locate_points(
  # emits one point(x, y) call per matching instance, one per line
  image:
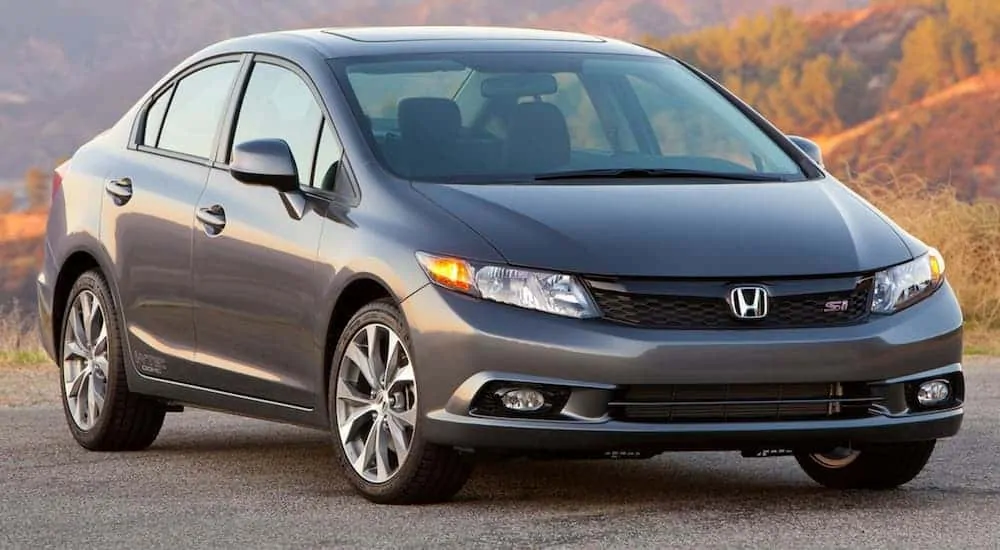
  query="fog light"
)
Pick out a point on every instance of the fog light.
point(933, 393)
point(522, 399)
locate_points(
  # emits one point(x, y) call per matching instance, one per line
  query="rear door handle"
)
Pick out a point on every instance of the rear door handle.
point(213, 218)
point(120, 190)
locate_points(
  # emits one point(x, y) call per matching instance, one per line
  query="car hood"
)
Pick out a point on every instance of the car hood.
point(676, 229)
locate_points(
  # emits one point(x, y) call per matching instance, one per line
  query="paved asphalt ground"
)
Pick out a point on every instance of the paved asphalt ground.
point(217, 481)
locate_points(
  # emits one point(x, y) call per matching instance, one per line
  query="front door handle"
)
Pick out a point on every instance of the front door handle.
point(120, 190)
point(213, 218)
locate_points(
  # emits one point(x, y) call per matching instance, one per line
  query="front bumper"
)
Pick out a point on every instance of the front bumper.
point(460, 344)
point(505, 434)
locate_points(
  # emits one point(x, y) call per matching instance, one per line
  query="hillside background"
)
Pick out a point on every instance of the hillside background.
point(895, 90)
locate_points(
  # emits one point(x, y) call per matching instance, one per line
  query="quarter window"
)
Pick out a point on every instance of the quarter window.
point(328, 156)
point(279, 105)
point(154, 118)
point(196, 109)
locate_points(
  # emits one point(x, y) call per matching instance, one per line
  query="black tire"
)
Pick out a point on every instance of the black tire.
point(430, 473)
point(128, 422)
point(880, 467)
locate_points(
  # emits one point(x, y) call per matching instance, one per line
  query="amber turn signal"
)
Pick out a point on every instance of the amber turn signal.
point(448, 272)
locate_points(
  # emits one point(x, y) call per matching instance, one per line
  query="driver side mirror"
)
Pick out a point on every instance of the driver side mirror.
point(809, 147)
point(265, 162)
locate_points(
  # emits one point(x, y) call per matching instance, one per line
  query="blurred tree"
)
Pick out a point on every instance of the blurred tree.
point(6, 202)
point(936, 54)
point(809, 82)
point(36, 187)
point(851, 79)
point(981, 20)
point(817, 96)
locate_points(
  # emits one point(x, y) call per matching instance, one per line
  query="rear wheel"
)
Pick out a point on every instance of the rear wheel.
point(374, 410)
point(103, 415)
point(878, 467)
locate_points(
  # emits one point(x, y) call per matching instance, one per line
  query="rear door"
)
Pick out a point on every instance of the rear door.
point(148, 214)
point(255, 261)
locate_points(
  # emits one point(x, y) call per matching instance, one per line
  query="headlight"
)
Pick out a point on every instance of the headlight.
point(540, 290)
point(904, 285)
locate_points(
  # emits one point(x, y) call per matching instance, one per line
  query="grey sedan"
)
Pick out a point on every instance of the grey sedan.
point(445, 243)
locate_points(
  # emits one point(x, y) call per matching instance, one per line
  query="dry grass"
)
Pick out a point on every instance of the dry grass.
point(19, 344)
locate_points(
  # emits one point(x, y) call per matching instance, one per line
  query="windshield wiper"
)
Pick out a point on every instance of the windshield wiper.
point(639, 173)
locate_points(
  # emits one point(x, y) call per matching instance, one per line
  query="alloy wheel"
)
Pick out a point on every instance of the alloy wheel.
point(841, 457)
point(85, 360)
point(376, 403)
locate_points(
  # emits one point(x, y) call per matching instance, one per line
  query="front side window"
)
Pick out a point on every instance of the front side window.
point(278, 104)
point(196, 109)
point(482, 117)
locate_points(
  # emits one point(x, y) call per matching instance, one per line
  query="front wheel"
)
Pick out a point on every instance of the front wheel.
point(374, 410)
point(878, 467)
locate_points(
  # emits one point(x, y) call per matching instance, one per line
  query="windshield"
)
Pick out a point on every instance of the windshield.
point(498, 117)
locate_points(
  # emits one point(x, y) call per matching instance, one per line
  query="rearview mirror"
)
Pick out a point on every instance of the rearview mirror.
point(265, 162)
point(519, 85)
point(809, 147)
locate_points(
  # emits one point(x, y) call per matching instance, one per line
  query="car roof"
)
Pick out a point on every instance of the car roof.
point(357, 41)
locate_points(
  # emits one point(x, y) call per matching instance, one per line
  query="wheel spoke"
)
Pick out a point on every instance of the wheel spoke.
point(93, 406)
point(400, 445)
point(349, 394)
point(407, 417)
point(404, 375)
point(393, 351)
point(74, 386)
point(87, 305)
point(81, 405)
point(375, 358)
point(359, 358)
point(76, 325)
point(73, 350)
point(350, 425)
point(367, 453)
point(101, 342)
point(381, 452)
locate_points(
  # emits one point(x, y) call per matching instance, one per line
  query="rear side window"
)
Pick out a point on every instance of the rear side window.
point(279, 105)
point(199, 100)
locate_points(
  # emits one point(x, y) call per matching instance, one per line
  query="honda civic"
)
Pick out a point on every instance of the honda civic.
point(440, 244)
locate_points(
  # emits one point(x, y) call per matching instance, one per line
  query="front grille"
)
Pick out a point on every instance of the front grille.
point(742, 402)
point(699, 312)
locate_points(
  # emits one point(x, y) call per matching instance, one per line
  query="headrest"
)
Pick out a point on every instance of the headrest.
point(429, 118)
point(537, 138)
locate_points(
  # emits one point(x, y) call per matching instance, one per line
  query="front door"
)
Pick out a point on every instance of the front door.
point(255, 255)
